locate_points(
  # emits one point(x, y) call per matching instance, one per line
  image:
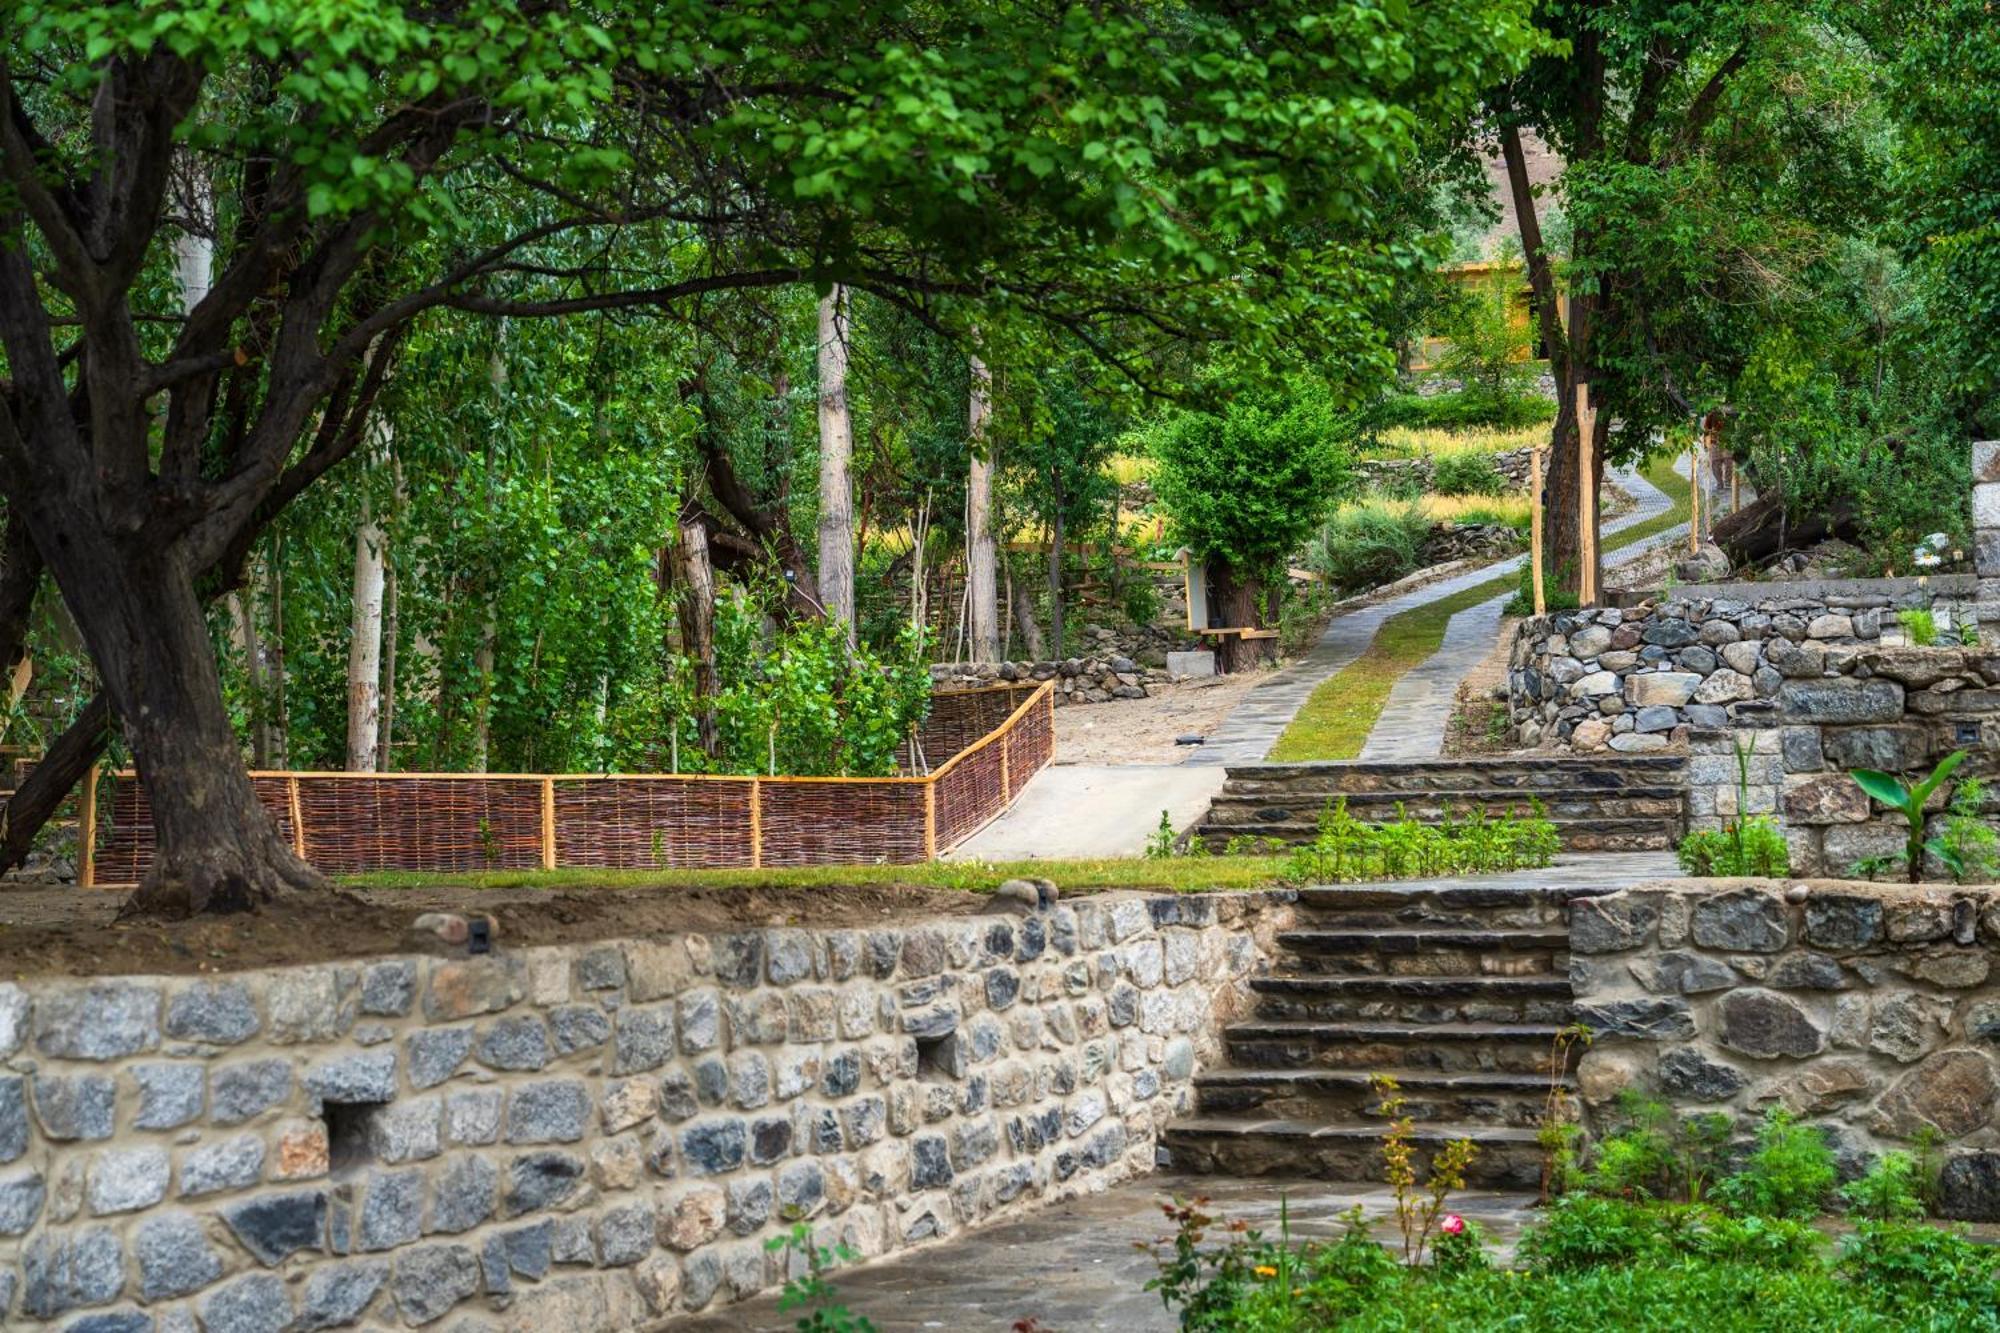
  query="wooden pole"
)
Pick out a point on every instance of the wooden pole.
point(1535, 529)
point(1586, 500)
point(86, 827)
point(1694, 496)
point(930, 820)
point(298, 816)
point(756, 824)
point(548, 823)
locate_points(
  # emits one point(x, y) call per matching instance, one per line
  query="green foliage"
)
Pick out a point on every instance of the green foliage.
point(1657, 1154)
point(1928, 1272)
point(1790, 1173)
point(1467, 474)
point(1485, 350)
point(1890, 1191)
point(1909, 801)
point(1160, 842)
point(1364, 546)
point(1751, 845)
point(1457, 410)
point(1554, 595)
point(1346, 848)
point(1245, 483)
point(812, 1291)
point(1920, 625)
point(1971, 847)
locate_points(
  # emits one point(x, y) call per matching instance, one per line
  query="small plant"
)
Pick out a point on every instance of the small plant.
point(1789, 1174)
point(1909, 801)
point(659, 849)
point(1460, 1247)
point(1559, 1132)
point(1747, 845)
point(1971, 847)
point(1467, 474)
point(1160, 844)
point(1871, 867)
point(812, 1291)
point(489, 841)
point(1888, 1192)
point(1920, 625)
point(1968, 635)
point(1418, 1208)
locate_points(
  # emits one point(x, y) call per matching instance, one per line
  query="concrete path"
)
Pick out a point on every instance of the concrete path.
point(1253, 727)
point(1089, 811)
point(1076, 1266)
point(1413, 721)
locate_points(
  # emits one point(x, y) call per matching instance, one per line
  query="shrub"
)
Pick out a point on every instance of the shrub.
point(1790, 1173)
point(1554, 596)
point(1920, 625)
point(1749, 846)
point(1972, 848)
point(1364, 546)
point(1346, 848)
point(1890, 1192)
point(1910, 1264)
point(1461, 410)
point(1467, 474)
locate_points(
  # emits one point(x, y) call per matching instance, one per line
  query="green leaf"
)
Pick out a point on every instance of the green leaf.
point(1937, 777)
point(1884, 787)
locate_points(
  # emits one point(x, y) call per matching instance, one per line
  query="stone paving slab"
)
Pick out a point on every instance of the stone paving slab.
point(1076, 1266)
point(1087, 811)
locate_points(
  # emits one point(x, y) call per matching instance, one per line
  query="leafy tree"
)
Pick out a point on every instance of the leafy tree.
point(1243, 485)
point(1059, 467)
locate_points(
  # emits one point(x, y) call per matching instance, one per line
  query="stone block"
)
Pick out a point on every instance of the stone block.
point(518, 1043)
point(1670, 689)
point(174, 1256)
point(274, 1226)
point(1893, 749)
point(548, 1111)
point(124, 1180)
point(540, 1180)
point(1831, 798)
point(221, 1013)
point(76, 1106)
point(336, 1295)
point(257, 1303)
point(1952, 1092)
point(1843, 699)
point(170, 1094)
point(1764, 1024)
point(431, 1279)
point(1611, 923)
point(231, 1164)
point(105, 1020)
point(1986, 505)
point(1685, 1074)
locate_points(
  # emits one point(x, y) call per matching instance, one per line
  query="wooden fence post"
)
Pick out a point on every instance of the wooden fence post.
point(1535, 528)
point(930, 819)
point(756, 824)
point(298, 816)
point(1586, 498)
point(86, 829)
point(548, 823)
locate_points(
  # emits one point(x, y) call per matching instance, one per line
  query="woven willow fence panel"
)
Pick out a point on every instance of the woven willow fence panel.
point(973, 753)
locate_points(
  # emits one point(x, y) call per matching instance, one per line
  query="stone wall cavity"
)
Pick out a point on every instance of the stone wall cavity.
point(584, 1137)
point(1868, 1010)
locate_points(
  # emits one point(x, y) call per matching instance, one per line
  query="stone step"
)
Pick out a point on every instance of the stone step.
point(1513, 1048)
point(1348, 1096)
point(1416, 999)
point(1539, 773)
point(1431, 905)
point(1241, 808)
point(1576, 835)
point(1508, 1158)
point(1377, 950)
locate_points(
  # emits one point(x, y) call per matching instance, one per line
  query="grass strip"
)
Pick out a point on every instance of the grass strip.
point(1337, 717)
point(1181, 874)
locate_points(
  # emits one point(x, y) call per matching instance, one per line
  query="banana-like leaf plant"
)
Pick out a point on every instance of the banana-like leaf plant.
point(1898, 795)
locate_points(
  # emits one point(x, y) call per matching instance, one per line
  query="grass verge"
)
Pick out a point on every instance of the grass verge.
point(1187, 874)
point(1336, 719)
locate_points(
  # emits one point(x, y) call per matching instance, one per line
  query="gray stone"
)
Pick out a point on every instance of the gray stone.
point(272, 1226)
point(1765, 1024)
point(1891, 749)
point(1969, 1187)
point(1740, 657)
point(601, 969)
point(463, 1193)
point(788, 956)
point(1003, 984)
point(1767, 682)
point(61, 1270)
point(1611, 924)
point(170, 1094)
point(738, 959)
point(1952, 1091)
point(366, 1076)
point(700, 1021)
point(174, 1256)
point(306, 1005)
point(1840, 699)
point(1904, 1027)
point(1637, 743)
point(1656, 718)
point(124, 1180)
point(530, 1249)
point(1686, 974)
point(221, 1013)
point(625, 1234)
point(1830, 626)
point(802, 1190)
point(233, 1164)
point(21, 1196)
point(1652, 1018)
point(1842, 921)
point(338, 1294)
point(389, 989)
point(431, 1279)
point(472, 1116)
point(1670, 633)
point(405, 1132)
point(550, 1111)
point(517, 1043)
point(253, 1304)
point(571, 1243)
point(749, 1079)
point(1807, 971)
point(1596, 685)
point(578, 1027)
point(645, 1039)
point(110, 1321)
point(1725, 687)
point(713, 1147)
point(677, 1096)
point(1699, 659)
point(930, 1163)
point(1743, 921)
point(435, 1054)
point(1685, 1073)
point(13, 1116)
point(1669, 689)
point(76, 1106)
point(392, 1211)
point(540, 1180)
point(105, 1020)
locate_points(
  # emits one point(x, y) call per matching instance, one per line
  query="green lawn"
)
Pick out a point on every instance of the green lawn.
point(1336, 720)
point(1181, 874)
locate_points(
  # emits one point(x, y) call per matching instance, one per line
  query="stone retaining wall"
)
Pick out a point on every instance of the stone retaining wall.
point(1868, 1010)
point(584, 1137)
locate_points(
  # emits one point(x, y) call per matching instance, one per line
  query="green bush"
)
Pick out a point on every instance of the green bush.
point(1921, 625)
point(1926, 1270)
point(1365, 546)
point(1891, 1191)
point(1790, 1174)
point(1467, 474)
point(1554, 596)
point(1971, 847)
point(1748, 846)
point(1460, 410)
point(1347, 848)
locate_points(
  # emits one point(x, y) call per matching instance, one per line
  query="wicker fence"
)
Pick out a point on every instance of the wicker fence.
point(973, 753)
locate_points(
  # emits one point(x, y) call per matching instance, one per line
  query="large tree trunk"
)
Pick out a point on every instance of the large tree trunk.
point(364, 648)
point(20, 579)
point(49, 783)
point(697, 617)
point(981, 583)
point(836, 455)
point(217, 849)
point(1239, 600)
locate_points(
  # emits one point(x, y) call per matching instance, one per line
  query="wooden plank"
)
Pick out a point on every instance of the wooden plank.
point(756, 823)
point(86, 831)
point(548, 823)
point(1535, 529)
point(298, 816)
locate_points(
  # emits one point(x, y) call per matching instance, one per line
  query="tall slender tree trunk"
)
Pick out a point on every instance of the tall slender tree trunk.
point(243, 633)
point(482, 703)
point(391, 629)
point(836, 457)
point(1024, 616)
point(364, 647)
point(281, 728)
point(981, 582)
point(697, 617)
point(1056, 611)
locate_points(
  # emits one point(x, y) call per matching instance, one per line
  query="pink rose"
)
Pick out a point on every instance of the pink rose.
point(1452, 1224)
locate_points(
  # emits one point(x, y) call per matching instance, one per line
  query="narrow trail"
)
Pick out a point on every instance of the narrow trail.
point(1253, 727)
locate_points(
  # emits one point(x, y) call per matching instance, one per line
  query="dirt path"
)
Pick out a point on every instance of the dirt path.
point(1142, 731)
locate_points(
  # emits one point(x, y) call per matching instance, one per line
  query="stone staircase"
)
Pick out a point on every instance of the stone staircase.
point(1601, 804)
point(1457, 991)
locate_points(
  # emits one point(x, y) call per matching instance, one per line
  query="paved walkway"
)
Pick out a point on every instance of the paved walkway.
point(1089, 811)
point(1076, 1266)
point(1249, 732)
point(1413, 721)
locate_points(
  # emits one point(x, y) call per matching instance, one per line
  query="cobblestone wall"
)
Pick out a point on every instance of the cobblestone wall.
point(583, 1138)
point(1868, 1010)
